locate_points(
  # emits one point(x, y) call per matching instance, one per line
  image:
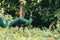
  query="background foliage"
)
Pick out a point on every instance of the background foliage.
point(45, 12)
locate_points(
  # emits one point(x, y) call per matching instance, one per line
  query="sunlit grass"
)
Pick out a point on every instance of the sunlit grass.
point(28, 34)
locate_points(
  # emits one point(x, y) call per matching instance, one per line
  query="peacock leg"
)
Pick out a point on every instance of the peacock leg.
point(18, 28)
point(9, 27)
point(22, 25)
point(23, 29)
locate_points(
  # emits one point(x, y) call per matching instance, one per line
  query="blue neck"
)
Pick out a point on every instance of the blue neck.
point(30, 20)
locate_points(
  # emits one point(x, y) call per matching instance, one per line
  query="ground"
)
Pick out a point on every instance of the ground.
point(28, 34)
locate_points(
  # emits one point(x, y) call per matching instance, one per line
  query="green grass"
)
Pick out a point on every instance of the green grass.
point(28, 34)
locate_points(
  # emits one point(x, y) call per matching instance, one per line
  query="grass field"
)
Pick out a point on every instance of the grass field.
point(28, 34)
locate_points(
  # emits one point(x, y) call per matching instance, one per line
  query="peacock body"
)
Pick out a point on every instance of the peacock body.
point(20, 21)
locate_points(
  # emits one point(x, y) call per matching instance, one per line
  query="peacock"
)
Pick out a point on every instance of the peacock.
point(21, 21)
point(2, 24)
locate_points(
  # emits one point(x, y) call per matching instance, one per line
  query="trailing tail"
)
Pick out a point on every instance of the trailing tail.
point(2, 24)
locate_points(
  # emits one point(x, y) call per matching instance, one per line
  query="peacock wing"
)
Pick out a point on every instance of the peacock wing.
point(23, 20)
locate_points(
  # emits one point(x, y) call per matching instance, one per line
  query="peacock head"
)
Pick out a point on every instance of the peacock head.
point(31, 16)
